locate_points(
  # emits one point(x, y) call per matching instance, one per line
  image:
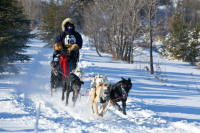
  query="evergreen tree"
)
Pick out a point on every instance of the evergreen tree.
point(51, 22)
point(183, 40)
point(175, 45)
point(193, 46)
point(15, 31)
point(55, 13)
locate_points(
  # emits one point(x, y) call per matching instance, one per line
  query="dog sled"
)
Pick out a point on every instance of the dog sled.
point(101, 91)
point(63, 76)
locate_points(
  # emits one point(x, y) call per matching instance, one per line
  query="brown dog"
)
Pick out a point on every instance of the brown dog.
point(99, 94)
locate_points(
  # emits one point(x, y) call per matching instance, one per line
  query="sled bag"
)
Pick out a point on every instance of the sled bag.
point(64, 65)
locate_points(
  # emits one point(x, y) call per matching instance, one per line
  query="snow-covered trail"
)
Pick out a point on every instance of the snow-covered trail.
point(166, 102)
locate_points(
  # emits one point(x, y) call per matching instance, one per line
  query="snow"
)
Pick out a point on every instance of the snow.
point(175, 2)
point(165, 102)
point(163, 7)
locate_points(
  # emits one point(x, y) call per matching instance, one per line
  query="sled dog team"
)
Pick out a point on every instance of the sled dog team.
point(65, 59)
point(101, 91)
point(107, 94)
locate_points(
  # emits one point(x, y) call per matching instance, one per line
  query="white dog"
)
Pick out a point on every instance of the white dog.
point(96, 86)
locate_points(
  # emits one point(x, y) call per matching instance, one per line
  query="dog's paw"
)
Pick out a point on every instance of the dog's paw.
point(124, 112)
point(100, 114)
point(120, 109)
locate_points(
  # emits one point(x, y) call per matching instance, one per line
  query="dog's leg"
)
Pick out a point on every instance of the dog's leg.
point(92, 107)
point(107, 106)
point(92, 95)
point(67, 88)
point(52, 82)
point(75, 96)
point(124, 107)
point(103, 106)
point(97, 98)
point(95, 105)
point(117, 105)
point(101, 109)
point(92, 110)
point(67, 97)
point(63, 91)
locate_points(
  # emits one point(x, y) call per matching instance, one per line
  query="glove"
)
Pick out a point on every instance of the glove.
point(57, 46)
point(74, 47)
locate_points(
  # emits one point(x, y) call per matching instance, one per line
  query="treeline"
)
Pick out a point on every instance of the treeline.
point(115, 26)
point(14, 34)
point(55, 13)
point(183, 40)
point(118, 27)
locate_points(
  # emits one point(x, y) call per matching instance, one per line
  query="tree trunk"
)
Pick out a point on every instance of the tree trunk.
point(96, 46)
point(151, 39)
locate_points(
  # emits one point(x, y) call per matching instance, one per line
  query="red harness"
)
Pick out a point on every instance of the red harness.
point(64, 64)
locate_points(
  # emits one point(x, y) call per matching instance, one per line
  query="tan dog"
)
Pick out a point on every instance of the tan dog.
point(101, 92)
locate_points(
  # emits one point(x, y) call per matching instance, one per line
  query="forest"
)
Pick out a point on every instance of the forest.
point(116, 27)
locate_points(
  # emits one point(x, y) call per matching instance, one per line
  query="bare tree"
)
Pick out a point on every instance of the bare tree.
point(91, 25)
point(33, 8)
point(151, 11)
point(192, 11)
point(114, 24)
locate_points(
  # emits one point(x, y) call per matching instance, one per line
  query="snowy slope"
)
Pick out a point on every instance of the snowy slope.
point(166, 102)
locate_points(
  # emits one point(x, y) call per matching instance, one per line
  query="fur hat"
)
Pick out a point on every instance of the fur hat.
point(67, 20)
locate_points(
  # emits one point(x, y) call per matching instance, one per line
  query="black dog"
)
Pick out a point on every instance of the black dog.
point(71, 83)
point(119, 92)
point(56, 76)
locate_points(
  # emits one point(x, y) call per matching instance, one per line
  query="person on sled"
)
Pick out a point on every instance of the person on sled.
point(66, 50)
